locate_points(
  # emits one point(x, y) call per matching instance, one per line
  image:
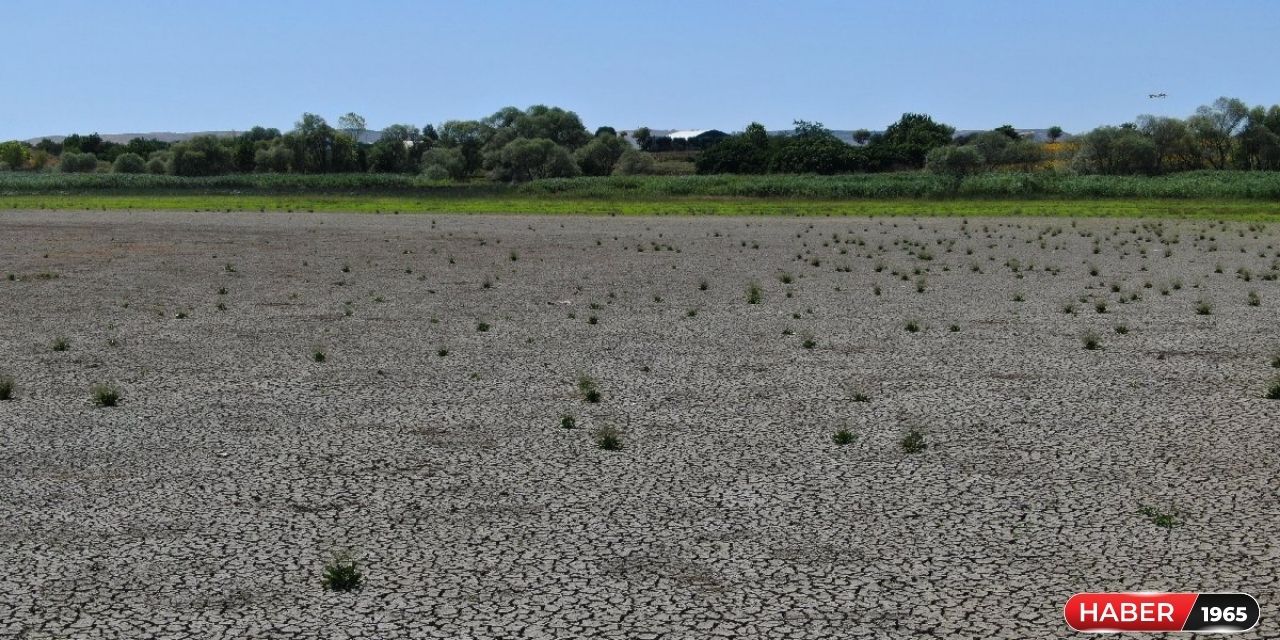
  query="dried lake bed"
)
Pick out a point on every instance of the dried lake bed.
point(430, 441)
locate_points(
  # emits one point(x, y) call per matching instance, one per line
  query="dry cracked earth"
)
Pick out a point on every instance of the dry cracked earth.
point(235, 466)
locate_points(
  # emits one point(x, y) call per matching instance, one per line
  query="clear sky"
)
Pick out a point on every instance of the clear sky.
point(133, 65)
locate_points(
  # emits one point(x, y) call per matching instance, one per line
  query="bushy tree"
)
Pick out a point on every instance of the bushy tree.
point(201, 156)
point(1054, 133)
point(1214, 127)
point(812, 148)
point(747, 153)
point(469, 137)
point(634, 162)
point(1115, 151)
point(600, 155)
point(1175, 147)
point(525, 159)
point(73, 162)
point(275, 158)
point(439, 163)
point(956, 162)
point(908, 141)
point(129, 163)
point(14, 154)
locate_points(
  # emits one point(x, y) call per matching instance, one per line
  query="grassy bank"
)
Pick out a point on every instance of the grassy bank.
point(1200, 185)
point(1133, 207)
point(1227, 195)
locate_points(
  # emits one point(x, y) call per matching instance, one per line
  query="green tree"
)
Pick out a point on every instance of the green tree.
point(600, 155)
point(1115, 151)
point(129, 163)
point(908, 141)
point(1214, 127)
point(635, 163)
point(201, 156)
point(439, 163)
point(525, 159)
point(956, 162)
point(1054, 133)
point(14, 155)
point(643, 137)
point(353, 124)
point(73, 162)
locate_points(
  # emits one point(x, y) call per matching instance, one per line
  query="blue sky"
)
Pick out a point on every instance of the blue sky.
point(181, 66)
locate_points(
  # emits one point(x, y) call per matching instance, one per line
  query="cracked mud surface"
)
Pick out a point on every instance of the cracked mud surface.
point(206, 504)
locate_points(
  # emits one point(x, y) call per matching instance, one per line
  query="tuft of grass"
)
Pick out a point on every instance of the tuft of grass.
point(608, 438)
point(807, 341)
point(589, 388)
point(60, 344)
point(568, 421)
point(1122, 329)
point(1204, 308)
point(703, 286)
point(6, 387)
point(785, 278)
point(1091, 340)
point(1100, 306)
point(342, 573)
point(1254, 300)
point(754, 294)
point(482, 327)
point(1272, 391)
point(843, 437)
point(104, 395)
point(442, 352)
point(1158, 518)
point(318, 355)
point(1275, 359)
point(912, 326)
point(913, 442)
point(954, 328)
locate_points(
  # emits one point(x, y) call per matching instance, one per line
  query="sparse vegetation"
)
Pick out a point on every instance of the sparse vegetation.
point(913, 442)
point(843, 437)
point(1158, 517)
point(608, 438)
point(104, 395)
point(589, 389)
point(342, 573)
point(754, 294)
point(1091, 340)
point(60, 344)
point(6, 387)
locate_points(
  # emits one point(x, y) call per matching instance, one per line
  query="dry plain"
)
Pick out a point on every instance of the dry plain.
point(206, 503)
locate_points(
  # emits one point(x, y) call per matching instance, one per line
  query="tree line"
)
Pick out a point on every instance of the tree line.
point(514, 145)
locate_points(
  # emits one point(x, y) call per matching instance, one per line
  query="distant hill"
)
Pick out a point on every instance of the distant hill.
point(846, 135)
point(1039, 135)
point(172, 136)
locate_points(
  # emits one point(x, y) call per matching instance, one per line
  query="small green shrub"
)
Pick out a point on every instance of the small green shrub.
point(754, 294)
point(568, 422)
point(608, 438)
point(1254, 300)
point(1204, 308)
point(104, 395)
point(1273, 389)
point(342, 573)
point(60, 344)
point(318, 354)
point(807, 341)
point(482, 327)
point(912, 326)
point(589, 389)
point(6, 387)
point(1122, 329)
point(1158, 518)
point(1091, 340)
point(843, 437)
point(913, 442)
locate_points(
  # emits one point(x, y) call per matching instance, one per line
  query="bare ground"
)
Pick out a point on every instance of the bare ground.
point(206, 504)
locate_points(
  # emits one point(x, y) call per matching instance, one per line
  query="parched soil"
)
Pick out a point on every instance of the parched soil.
point(206, 504)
